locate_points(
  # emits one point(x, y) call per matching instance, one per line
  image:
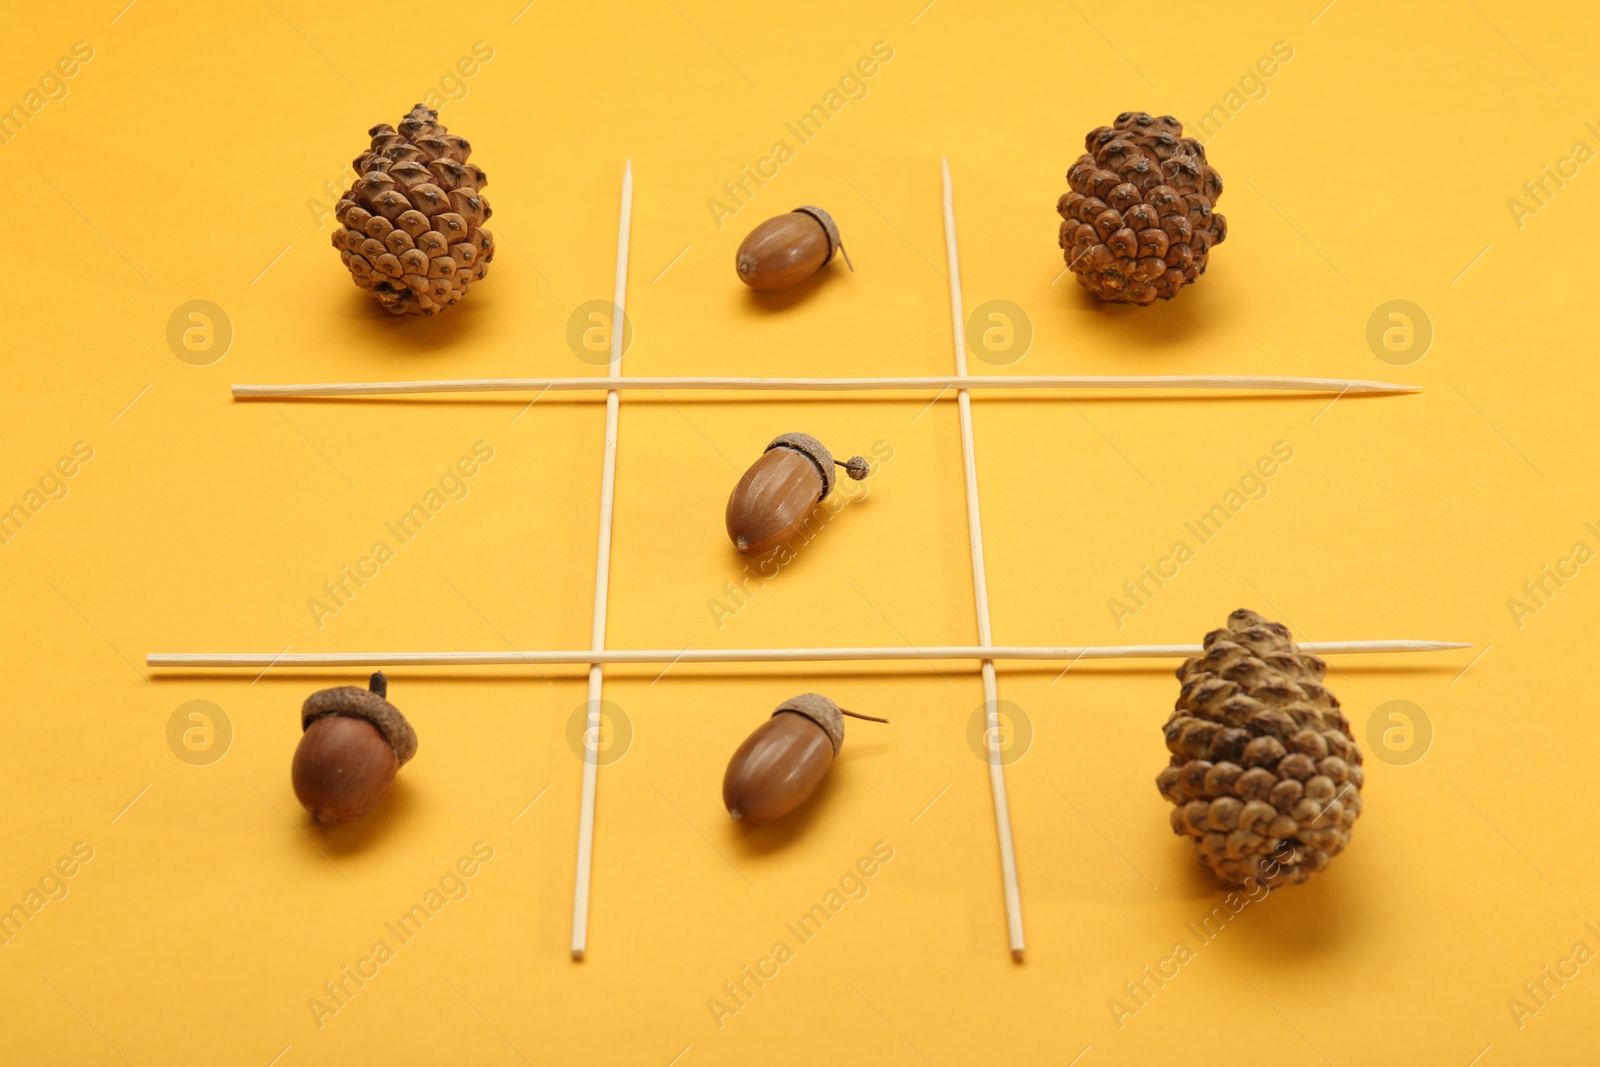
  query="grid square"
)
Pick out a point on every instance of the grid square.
point(677, 580)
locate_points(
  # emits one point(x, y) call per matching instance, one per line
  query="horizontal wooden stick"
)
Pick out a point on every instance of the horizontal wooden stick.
point(742, 655)
point(938, 382)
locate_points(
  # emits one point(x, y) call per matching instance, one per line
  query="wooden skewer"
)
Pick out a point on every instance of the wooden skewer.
point(980, 586)
point(930, 653)
point(602, 582)
point(936, 383)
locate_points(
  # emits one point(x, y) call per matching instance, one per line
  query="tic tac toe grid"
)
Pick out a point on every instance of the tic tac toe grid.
point(597, 655)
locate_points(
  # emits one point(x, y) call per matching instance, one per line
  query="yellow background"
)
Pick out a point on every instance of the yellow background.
point(1377, 167)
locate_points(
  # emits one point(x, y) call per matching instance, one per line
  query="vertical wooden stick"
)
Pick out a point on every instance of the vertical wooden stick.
point(602, 583)
point(980, 587)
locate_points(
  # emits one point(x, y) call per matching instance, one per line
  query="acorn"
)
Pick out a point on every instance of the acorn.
point(788, 249)
point(779, 492)
point(354, 742)
point(780, 765)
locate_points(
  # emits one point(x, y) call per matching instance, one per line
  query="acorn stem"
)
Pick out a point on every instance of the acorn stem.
point(858, 715)
point(846, 253)
point(857, 467)
point(379, 684)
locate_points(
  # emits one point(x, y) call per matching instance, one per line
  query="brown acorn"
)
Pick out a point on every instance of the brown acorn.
point(353, 744)
point(779, 766)
point(788, 249)
point(779, 492)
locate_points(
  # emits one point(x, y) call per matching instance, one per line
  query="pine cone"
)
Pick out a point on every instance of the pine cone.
point(1138, 222)
point(1265, 776)
point(411, 226)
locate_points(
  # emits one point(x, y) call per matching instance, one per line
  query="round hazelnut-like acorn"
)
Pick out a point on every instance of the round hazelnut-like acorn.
point(778, 493)
point(354, 742)
point(788, 249)
point(780, 765)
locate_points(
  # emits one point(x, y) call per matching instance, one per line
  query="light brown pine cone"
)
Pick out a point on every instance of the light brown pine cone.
point(411, 228)
point(1265, 777)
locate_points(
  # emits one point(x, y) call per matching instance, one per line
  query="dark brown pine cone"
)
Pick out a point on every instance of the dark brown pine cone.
point(1138, 223)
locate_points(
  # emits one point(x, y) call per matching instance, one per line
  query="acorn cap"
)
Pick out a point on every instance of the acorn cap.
point(829, 227)
point(812, 449)
point(358, 703)
point(820, 710)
